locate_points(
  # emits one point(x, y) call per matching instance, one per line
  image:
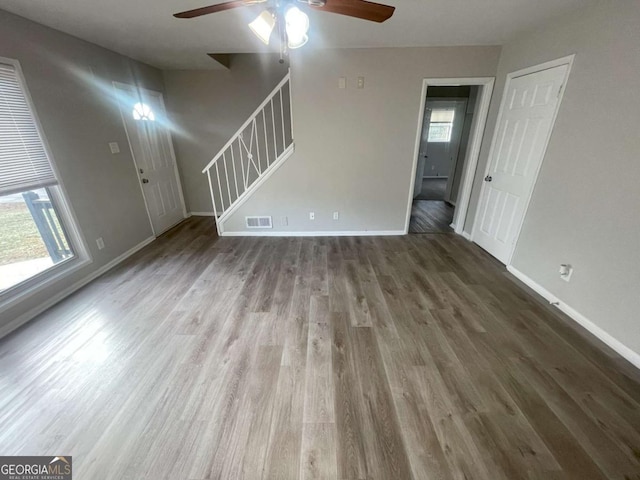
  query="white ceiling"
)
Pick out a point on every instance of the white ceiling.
point(146, 29)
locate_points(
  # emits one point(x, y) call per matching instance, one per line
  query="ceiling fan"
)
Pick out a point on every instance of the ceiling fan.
point(293, 23)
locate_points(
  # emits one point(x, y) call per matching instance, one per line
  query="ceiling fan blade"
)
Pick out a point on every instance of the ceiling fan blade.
point(220, 7)
point(375, 12)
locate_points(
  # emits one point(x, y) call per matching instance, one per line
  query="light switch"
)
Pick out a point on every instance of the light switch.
point(360, 82)
point(114, 147)
point(342, 82)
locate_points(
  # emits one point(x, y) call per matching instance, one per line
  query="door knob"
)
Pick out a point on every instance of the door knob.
point(144, 180)
point(488, 178)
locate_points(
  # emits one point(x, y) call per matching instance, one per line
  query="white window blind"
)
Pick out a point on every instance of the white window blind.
point(24, 164)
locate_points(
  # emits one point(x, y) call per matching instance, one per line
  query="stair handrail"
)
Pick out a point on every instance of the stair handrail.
point(248, 121)
point(253, 153)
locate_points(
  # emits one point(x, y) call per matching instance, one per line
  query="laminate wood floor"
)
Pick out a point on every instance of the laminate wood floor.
point(430, 216)
point(385, 358)
point(433, 189)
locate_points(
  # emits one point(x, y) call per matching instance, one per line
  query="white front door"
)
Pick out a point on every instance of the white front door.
point(145, 121)
point(524, 128)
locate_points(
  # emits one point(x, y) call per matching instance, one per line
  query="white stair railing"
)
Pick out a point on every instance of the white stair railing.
point(262, 143)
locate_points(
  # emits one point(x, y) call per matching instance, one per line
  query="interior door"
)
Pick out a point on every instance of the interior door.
point(526, 121)
point(145, 121)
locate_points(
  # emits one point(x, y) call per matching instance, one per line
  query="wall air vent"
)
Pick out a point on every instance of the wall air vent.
point(259, 222)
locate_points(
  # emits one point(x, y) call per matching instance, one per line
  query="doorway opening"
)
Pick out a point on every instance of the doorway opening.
point(451, 123)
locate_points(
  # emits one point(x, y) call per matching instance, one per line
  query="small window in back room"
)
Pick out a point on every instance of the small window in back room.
point(441, 125)
point(33, 232)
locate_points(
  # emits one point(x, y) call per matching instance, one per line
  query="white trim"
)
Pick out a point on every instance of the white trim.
point(572, 313)
point(416, 153)
point(476, 137)
point(520, 73)
point(255, 185)
point(361, 233)
point(203, 214)
point(466, 235)
point(35, 284)
point(473, 152)
point(25, 317)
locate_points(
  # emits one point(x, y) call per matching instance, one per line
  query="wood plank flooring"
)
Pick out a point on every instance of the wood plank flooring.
point(430, 216)
point(387, 358)
point(433, 189)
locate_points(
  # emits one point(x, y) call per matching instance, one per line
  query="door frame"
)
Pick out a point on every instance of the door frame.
point(568, 60)
point(473, 152)
point(160, 96)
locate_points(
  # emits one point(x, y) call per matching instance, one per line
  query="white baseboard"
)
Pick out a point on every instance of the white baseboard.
point(466, 235)
point(50, 302)
point(572, 313)
point(272, 233)
point(202, 214)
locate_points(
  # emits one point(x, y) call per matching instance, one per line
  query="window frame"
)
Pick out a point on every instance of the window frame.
point(16, 294)
point(436, 124)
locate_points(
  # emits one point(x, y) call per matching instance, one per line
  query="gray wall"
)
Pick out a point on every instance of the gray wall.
point(79, 120)
point(586, 203)
point(355, 147)
point(208, 107)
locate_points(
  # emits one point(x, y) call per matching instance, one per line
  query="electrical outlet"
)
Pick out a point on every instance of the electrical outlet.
point(284, 221)
point(114, 147)
point(360, 82)
point(336, 215)
point(100, 243)
point(312, 216)
point(566, 271)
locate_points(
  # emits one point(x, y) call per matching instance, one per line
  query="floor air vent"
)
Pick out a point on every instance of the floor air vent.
point(258, 222)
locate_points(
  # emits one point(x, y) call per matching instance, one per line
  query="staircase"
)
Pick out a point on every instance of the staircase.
point(254, 152)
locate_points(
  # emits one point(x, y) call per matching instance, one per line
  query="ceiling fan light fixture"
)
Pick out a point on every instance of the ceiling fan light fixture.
point(263, 26)
point(298, 42)
point(297, 26)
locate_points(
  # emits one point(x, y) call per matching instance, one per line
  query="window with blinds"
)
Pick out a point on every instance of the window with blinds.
point(34, 233)
point(24, 163)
